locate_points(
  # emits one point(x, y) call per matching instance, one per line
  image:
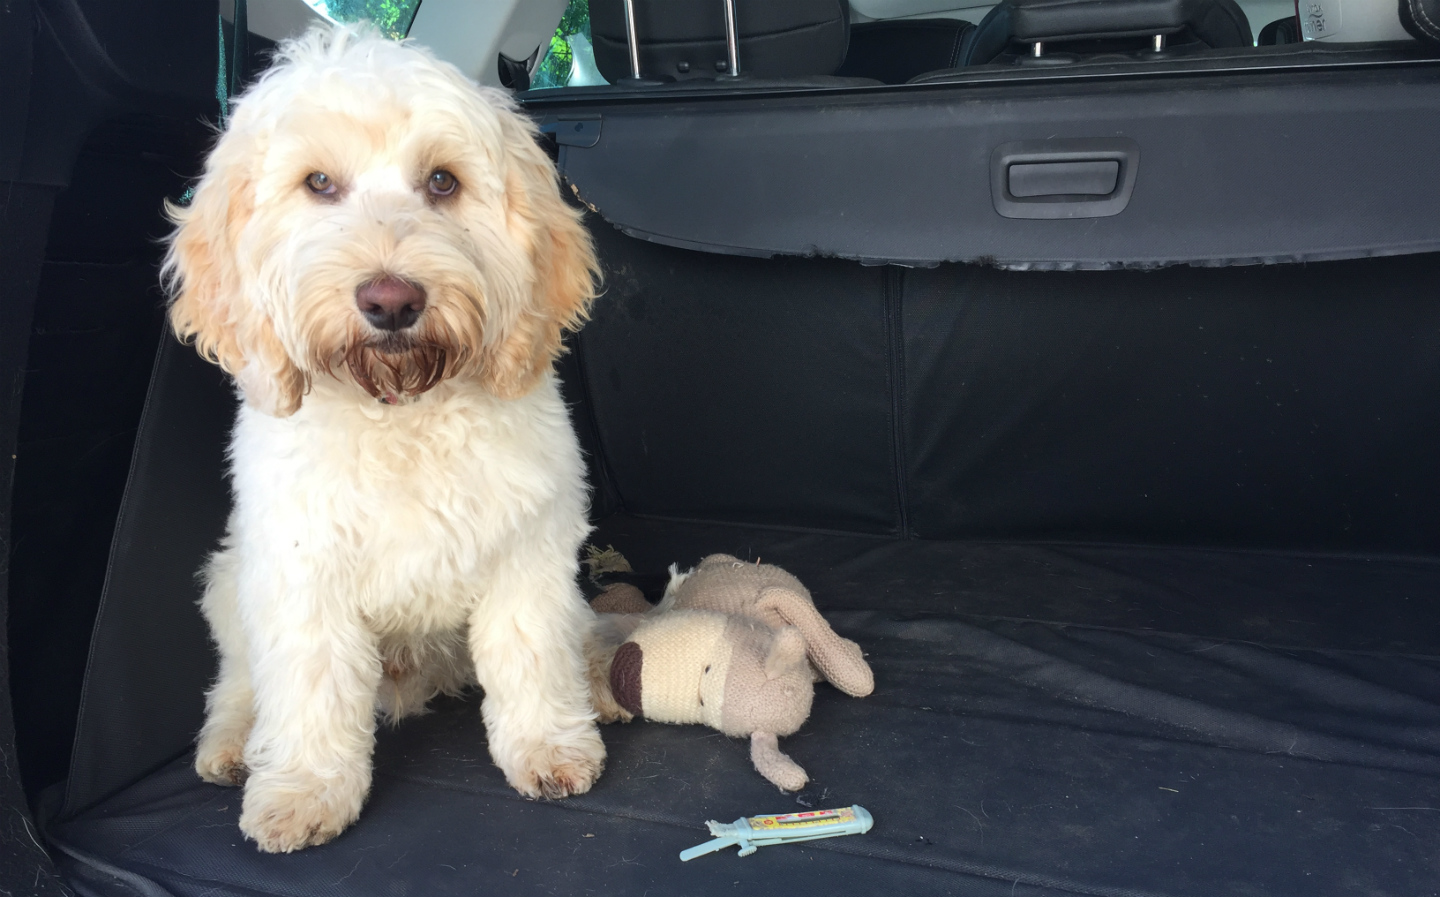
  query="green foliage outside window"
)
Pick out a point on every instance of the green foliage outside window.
point(554, 69)
point(393, 17)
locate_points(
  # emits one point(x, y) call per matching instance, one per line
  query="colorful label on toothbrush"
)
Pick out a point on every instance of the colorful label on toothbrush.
point(791, 821)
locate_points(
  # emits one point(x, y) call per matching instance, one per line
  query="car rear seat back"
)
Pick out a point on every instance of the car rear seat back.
point(684, 40)
point(1280, 31)
point(1013, 29)
point(896, 51)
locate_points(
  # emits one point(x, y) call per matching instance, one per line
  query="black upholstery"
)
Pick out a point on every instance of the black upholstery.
point(1217, 23)
point(150, 649)
point(685, 39)
point(896, 51)
point(27, 209)
point(1146, 562)
point(1422, 19)
point(66, 70)
point(98, 300)
point(1099, 756)
point(1280, 31)
point(995, 481)
point(1100, 23)
point(991, 37)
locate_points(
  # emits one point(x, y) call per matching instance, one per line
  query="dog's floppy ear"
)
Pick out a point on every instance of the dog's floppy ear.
point(208, 305)
point(562, 259)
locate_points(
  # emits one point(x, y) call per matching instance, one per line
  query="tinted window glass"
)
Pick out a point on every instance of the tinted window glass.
point(391, 16)
point(569, 60)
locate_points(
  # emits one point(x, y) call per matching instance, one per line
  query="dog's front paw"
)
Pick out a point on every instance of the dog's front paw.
point(221, 760)
point(298, 812)
point(222, 767)
point(560, 768)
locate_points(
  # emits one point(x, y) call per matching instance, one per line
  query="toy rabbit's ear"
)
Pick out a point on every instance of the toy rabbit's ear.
point(838, 659)
point(786, 653)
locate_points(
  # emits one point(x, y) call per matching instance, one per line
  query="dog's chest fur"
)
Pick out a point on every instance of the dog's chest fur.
point(408, 507)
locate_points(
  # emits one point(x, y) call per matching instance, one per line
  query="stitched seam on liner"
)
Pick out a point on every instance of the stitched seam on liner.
point(602, 459)
point(895, 371)
point(1355, 555)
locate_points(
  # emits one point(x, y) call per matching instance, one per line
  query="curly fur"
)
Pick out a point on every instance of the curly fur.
point(408, 508)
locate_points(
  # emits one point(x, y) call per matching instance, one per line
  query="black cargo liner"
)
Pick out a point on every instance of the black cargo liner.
point(1140, 625)
point(1018, 738)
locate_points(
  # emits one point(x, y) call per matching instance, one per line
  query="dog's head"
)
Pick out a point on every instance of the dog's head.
point(371, 214)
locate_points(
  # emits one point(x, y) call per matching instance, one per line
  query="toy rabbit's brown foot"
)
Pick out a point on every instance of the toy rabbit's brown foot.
point(783, 772)
point(620, 598)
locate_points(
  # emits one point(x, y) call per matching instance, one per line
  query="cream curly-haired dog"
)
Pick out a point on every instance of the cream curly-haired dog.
point(379, 255)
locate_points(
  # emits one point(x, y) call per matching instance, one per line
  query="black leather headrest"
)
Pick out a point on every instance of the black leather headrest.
point(1422, 19)
point(683, 39)
point(1212, 23)
point(1280, 31)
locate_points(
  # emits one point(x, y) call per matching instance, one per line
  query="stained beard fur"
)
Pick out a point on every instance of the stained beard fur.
point(398, 365)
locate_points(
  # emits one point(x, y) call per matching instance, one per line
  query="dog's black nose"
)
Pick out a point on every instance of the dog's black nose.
point(390, 303)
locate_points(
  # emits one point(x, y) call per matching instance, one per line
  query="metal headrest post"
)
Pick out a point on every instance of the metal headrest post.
point(632, 41)
point(732, 39)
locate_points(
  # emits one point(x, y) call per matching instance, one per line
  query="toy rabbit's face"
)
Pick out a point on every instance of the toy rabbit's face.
point(711, 693)
point(673, 669)
point(730, 673)
point(768, 686)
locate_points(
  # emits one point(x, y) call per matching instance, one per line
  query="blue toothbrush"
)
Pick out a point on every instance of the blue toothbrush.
point(753, 832)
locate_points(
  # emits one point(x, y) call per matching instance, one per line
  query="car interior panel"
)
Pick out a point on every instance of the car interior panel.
point(1081, 357)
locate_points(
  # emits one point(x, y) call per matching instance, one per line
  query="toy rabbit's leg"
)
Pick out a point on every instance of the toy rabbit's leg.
point(783, 772)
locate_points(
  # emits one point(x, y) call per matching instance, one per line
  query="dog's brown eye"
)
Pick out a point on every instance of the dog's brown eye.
point(442, 183)
point(320, 182)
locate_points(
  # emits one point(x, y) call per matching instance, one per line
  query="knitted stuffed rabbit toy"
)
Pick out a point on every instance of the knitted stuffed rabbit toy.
point(730, 646)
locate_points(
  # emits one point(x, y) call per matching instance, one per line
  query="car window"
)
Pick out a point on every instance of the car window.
point(569, 60)
point(391, 16)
